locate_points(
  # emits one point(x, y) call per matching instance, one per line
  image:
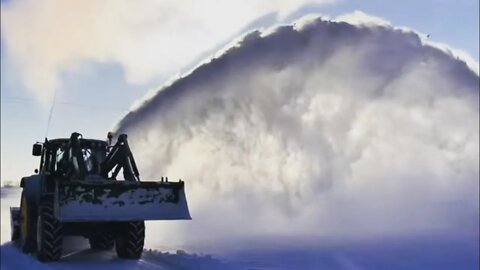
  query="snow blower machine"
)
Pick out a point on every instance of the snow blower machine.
point(75, 192)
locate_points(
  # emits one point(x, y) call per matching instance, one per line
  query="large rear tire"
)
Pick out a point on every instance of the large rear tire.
point(15, 217)
point(101, 242)
point(15, 236)
point(130, 240)
point(49, 234)
point(27, 225)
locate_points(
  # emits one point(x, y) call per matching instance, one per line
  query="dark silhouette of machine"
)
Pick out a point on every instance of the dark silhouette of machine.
point(76, 192)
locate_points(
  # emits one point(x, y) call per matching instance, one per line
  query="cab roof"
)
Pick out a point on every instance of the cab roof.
point(86, 143)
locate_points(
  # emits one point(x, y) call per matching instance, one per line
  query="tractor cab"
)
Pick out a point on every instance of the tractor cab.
point(70, 159)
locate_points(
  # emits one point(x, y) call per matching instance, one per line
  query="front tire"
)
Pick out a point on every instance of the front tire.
point(49, 234)
point(130, 240)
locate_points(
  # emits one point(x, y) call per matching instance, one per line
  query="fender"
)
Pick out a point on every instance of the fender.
point(32, 187)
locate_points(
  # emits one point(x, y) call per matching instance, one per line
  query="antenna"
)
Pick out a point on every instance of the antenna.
point(51, 112)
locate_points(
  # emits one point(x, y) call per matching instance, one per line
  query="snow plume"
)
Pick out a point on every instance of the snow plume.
point(321, 128)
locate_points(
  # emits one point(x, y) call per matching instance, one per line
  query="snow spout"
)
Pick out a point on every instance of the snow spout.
point(320, 128)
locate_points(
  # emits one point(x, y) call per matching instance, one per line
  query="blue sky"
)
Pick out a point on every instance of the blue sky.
point(92, 94)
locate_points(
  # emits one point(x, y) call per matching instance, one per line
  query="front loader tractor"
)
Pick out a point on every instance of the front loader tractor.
point(75, 192)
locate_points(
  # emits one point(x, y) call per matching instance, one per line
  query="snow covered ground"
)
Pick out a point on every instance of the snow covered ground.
point(418, 252)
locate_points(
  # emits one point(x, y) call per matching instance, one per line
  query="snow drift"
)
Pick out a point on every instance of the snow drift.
point(321, 128)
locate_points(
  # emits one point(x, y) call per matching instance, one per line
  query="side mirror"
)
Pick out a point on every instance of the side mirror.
point(37, 149)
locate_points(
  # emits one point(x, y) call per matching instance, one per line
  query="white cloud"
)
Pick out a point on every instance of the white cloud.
point(157, 38)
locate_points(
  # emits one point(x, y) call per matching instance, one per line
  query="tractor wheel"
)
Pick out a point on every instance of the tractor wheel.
point(15, 234)
point(49, 234)
point(130, 240)
point(101, 242)
point(27, 225)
